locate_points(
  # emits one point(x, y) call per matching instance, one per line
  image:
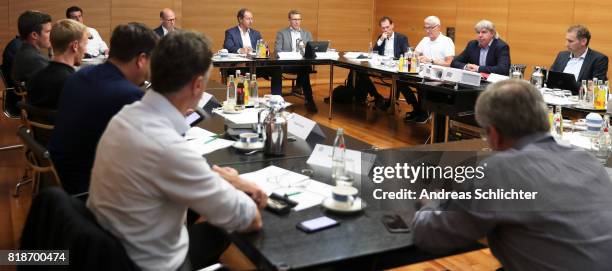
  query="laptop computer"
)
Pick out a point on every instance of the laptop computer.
point(563, 81)
point(315, 46)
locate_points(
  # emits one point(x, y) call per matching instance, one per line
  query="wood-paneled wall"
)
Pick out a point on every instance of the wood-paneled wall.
point(535, 30)
point(347, 24)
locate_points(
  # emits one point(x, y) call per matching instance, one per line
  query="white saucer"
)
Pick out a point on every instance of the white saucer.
point(332, 205)
point(232, 111)
point(251, 147)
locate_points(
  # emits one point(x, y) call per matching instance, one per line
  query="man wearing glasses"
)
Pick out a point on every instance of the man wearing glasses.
point(168, 19)
point(286, 41)
point(435, 48)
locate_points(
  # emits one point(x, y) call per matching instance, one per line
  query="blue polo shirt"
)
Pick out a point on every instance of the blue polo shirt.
point(91, 97)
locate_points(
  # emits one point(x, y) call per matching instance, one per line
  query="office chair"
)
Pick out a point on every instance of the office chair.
point(38, 160)
point(10, 111)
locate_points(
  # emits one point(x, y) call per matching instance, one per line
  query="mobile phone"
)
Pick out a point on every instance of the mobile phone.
point(395, 223)
point(317, 224)
point(194, 118)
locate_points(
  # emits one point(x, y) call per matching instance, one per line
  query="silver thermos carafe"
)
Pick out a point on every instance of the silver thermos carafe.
point(274, 127)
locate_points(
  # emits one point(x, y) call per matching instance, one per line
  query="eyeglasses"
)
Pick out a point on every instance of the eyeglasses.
point(169, 20)
point(430, 28)
point(298, 19)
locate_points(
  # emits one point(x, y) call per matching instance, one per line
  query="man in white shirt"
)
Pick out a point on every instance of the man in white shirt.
point(168, 22)
point(96, 46)
point(146, 174)
point(580, 60)
point(434, 48)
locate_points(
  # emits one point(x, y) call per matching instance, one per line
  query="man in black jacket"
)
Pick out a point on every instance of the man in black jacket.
point(486, 54)
point(580, 60)
point(34, 29)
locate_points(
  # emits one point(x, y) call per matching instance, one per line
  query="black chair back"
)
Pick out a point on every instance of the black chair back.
point(9, 99)
point(40, 121)
point(38, 160)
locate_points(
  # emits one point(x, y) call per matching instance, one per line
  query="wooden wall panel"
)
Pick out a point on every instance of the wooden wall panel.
point(411, 23)
point(595, 14)
point(536, 32)
point(147, 12)
point(348, 24)
point(5, 34)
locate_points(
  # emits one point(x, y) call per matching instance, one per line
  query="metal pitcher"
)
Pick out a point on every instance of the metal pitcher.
point(274, 127)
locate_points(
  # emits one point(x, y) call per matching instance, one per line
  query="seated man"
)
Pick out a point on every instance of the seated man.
point(141, 188)
point(8, 56)
point(69, 39)
point(243, 39)
point(168, 20)
point(565, 225)
point(96, 46)
point(34, 30)
point(389, 43)
point(580, 60)
point(486, 54)
point(436, 49)
point(286, 42)
point(92, 96)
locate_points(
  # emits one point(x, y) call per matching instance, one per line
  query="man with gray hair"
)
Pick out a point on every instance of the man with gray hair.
point(167, 22)
point(566, 223)
point(488, 53)
point(580, 60)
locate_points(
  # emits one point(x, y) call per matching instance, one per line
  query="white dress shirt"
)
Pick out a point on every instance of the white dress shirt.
point(438, 49)
point(246, 39)
point(144, 178)
point(389, 45)
point(165, 31)
point(295, 34)
point(574, 65)
point(95, 46)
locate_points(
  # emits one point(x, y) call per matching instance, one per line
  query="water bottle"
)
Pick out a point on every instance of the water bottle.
point(231, 92)
point(602, 150)
point(583, 92)
point(558, 118)
point(370, 51)
point(537, 78)
point(254, 91)
point(338, 156)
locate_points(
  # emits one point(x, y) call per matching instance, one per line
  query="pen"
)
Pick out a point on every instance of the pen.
point(211, 139)
point(292, 194)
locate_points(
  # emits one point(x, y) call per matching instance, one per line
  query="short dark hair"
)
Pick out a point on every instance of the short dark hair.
point(241, 13)
point(31, 21)
point(178, 58)
point(385, 18)
point(582, 32)
point(73, 9)
point(130, 40)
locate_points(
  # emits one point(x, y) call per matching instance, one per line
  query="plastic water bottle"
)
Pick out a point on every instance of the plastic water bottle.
point(338, 156)
point(558, 119)
point(370, 51)
point(231, 91)
point(603, 140)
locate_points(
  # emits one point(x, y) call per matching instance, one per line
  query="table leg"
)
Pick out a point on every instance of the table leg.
point(331, 88)
point(392, 98)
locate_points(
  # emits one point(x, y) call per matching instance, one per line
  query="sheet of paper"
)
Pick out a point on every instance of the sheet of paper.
point(322, 156)
point(197, 132)
point(247, 116)
point(556, 100)
point(354, 54)
point(327, 55)
point(305, 191)
point(289, 55)
point(205, 98)
point(230, 57)
point(578, 139)
point(207, 145)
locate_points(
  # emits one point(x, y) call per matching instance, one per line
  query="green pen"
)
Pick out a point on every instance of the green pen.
point(211, 139)
point(293, 194)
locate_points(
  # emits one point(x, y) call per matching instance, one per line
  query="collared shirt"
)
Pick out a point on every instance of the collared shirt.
point(574, 65)
point(437, 49)
point(482, 61)
point(570, 219)
point(389, 45)
point(164, 30)
point(145, 177)
point(246, 38)
point(95, 45)
point(295, 34)
point(83, 118)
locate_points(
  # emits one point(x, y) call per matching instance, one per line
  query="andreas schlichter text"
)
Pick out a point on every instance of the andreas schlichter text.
point(488, 194)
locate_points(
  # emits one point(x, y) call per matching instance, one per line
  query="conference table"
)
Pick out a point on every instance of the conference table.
point(360, 239)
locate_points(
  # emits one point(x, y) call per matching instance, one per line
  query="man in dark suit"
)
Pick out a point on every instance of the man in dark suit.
point(92, 96)
point(34, 30)
point(486, 54)
point(243, 39)
point(580, 60)
point(286, 41)
point(388, 43)
point(168, 20)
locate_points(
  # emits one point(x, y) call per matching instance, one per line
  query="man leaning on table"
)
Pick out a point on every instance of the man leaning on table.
point(566, 226)
point(580, 60)
point(286, 42)
point(488, 53)
point(142, 187)
point(242, 39)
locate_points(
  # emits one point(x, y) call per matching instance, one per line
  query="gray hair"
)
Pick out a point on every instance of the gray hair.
point(488, 25)
point(514, 107)
point(432, 20)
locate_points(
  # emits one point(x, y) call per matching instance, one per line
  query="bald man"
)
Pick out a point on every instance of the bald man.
point(168, 19)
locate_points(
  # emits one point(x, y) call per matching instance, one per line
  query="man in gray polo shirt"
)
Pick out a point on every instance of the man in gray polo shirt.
point(567, 226)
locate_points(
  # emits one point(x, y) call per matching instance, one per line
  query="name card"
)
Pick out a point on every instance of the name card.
point(302, 127)
point(322, 156)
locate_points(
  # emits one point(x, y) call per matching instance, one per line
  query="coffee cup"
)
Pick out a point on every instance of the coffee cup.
point(223, 53)
point(344, 196)
point(248, 138)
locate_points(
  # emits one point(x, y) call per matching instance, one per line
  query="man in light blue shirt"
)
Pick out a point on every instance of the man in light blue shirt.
point(580, 60)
